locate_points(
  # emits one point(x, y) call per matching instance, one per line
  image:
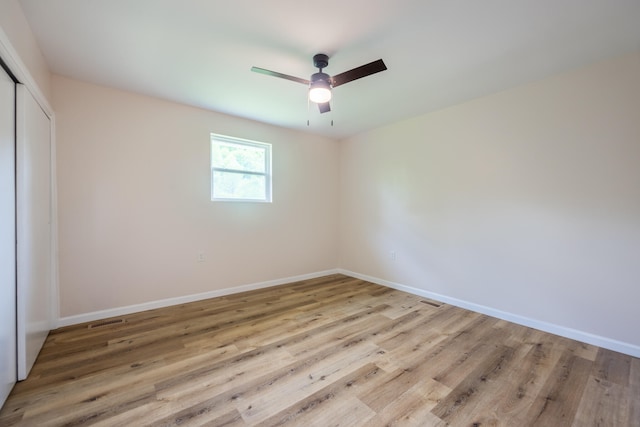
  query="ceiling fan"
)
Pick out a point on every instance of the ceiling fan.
point(320, 84)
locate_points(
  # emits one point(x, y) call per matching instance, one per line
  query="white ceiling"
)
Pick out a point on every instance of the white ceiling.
point(439, 52)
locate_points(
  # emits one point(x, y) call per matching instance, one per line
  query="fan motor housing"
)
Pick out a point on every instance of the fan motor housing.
point(320, 76)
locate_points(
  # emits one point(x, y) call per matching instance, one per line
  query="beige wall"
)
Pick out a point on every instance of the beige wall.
point(17, 29)
point(526, 201)
point(135, 209)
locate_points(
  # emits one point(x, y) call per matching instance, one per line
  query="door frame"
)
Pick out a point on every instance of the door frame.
point(22, 74)
point(8, 250)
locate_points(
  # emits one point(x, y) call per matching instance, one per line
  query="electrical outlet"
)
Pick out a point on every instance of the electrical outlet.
point(392, 255)
point(200, 256)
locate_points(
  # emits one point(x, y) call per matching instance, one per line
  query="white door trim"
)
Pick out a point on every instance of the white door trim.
point(21, 73)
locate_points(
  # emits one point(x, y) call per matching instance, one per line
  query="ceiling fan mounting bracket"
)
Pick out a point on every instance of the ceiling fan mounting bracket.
point(320, 60)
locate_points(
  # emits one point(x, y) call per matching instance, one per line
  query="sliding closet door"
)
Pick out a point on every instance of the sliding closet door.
point(8, 372)
point(33, 185)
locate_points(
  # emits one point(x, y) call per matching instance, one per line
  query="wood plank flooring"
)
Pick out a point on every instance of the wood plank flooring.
point(332, 351)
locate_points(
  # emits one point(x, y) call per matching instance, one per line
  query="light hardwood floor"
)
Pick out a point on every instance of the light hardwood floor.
point(322, 352)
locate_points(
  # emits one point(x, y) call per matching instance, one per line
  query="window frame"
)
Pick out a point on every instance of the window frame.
point(267, 174)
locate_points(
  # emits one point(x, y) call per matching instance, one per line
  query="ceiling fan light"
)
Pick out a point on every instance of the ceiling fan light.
point(320, 92)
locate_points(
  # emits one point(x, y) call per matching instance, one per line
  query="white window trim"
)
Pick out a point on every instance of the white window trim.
point(245, 142)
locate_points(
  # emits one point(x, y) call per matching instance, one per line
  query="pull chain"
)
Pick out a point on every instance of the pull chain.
point(333, 101)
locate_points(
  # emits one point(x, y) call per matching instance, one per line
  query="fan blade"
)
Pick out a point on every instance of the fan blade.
point(358, 73)
point(282, 76)
point(324, 107)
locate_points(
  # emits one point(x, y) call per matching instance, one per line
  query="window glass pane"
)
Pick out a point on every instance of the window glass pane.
point(238, 157)
point(240, 169)
point(230, 185)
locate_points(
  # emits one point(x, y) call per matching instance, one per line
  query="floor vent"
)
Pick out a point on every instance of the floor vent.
point(106, 323)
point(435, 304)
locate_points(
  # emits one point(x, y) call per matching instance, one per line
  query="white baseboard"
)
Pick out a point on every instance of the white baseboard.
point(121, 311)
point(608, 343)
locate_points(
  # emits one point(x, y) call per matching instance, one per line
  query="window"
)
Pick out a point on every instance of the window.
point(240, 170)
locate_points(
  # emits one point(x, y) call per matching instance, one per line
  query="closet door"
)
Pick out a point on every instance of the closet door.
point(33, 194)
point(8, 372)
